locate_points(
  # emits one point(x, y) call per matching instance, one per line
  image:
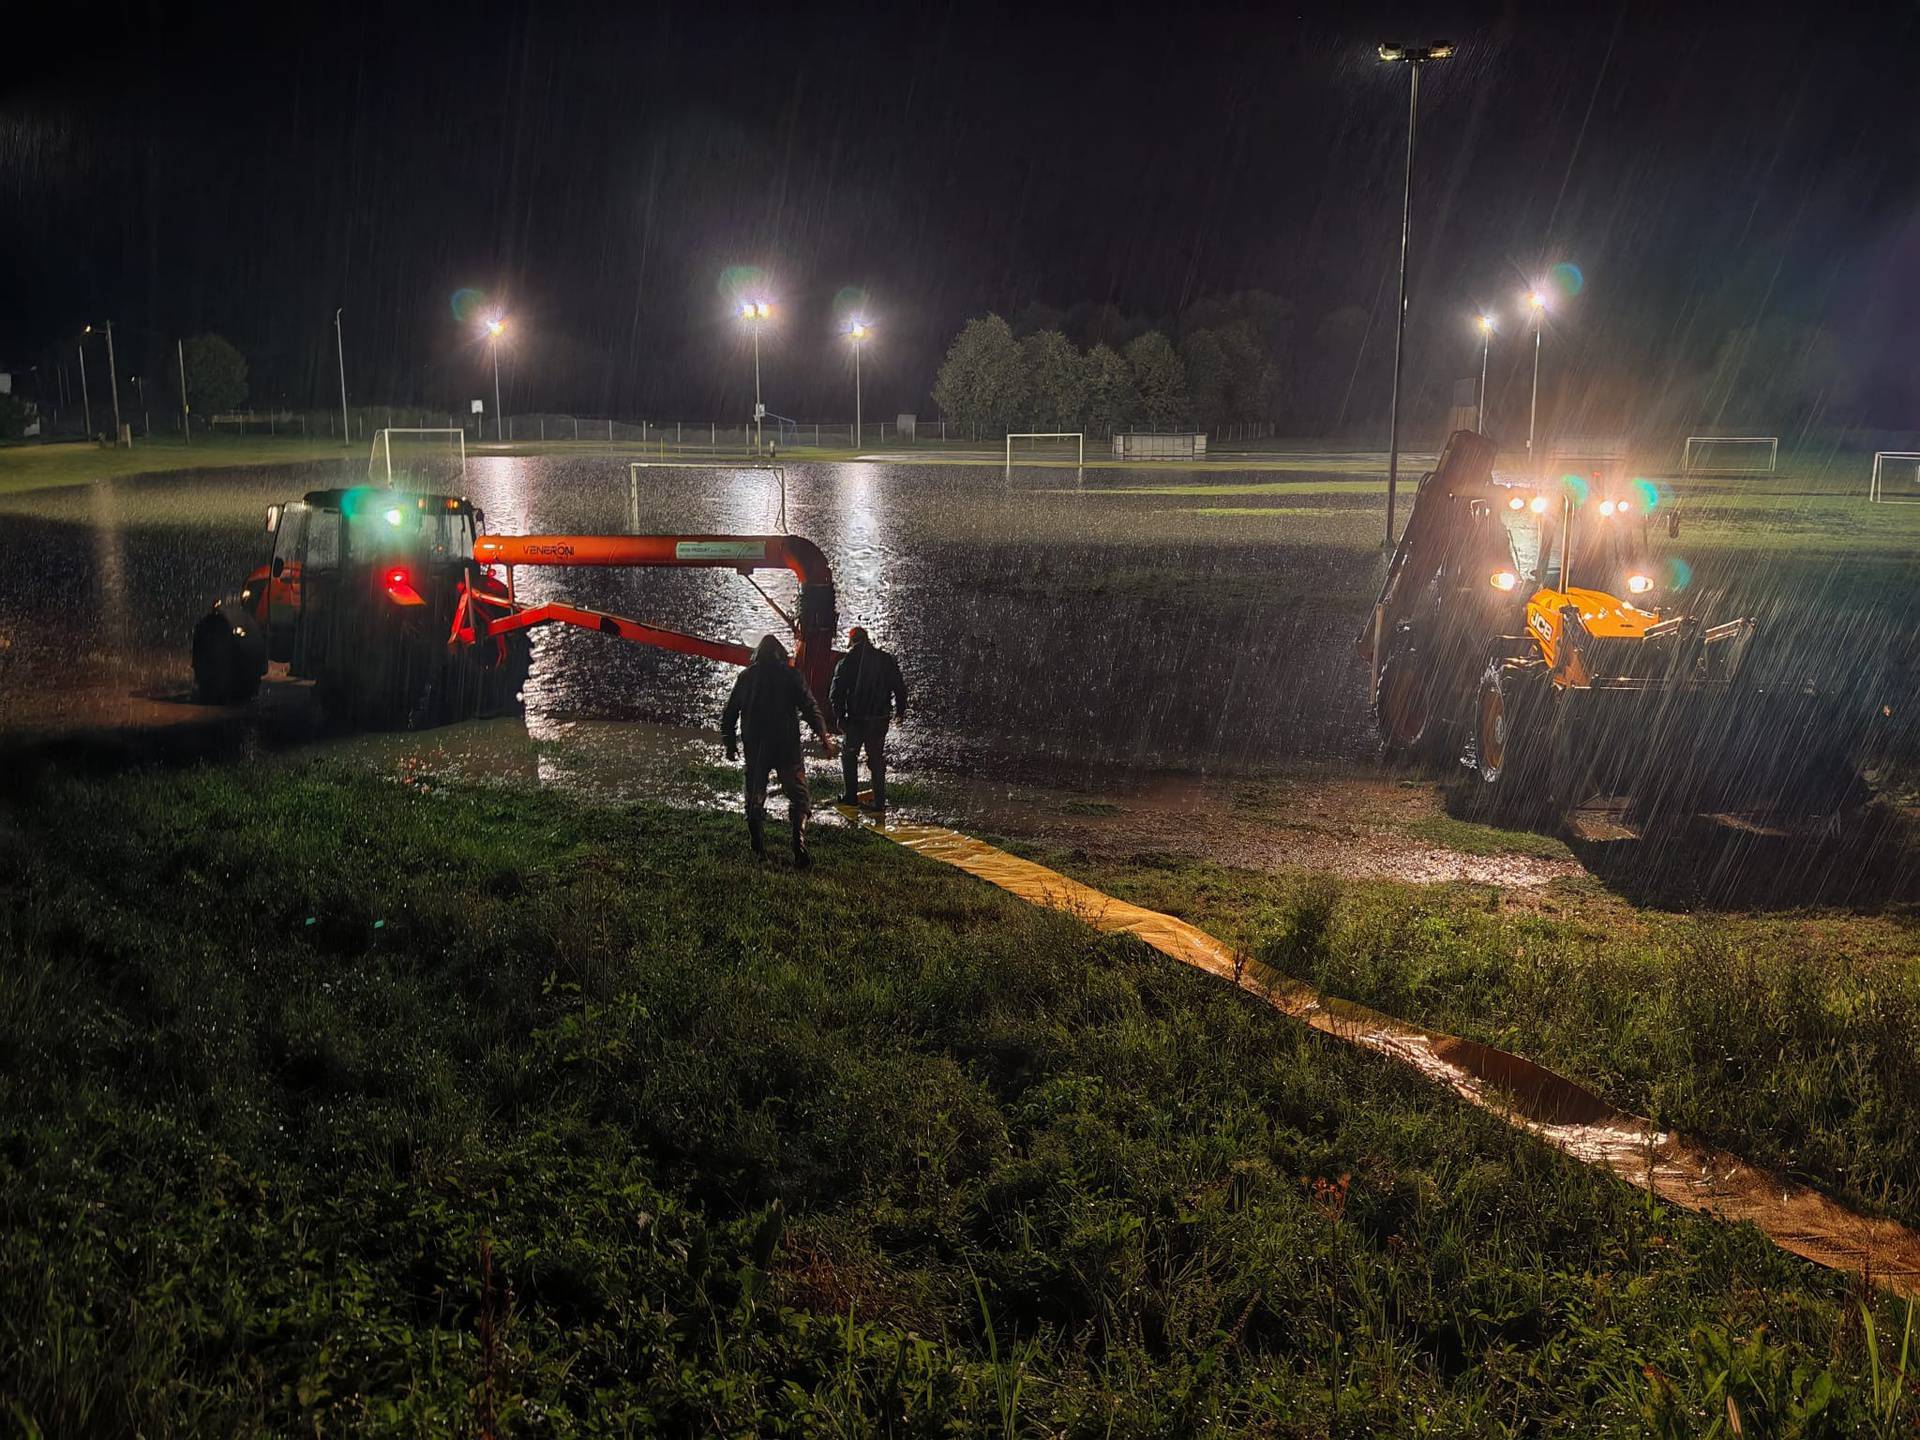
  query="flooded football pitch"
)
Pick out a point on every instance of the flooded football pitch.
point(1058, 627)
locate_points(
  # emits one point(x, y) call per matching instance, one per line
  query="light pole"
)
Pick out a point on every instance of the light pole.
point(340, 352)
point(1537, 305)
point(756, 313)
point(1413, 57)
point(858, 331)
point(113, 378)
point(494, 327)
point(186, 418)
point(1486, 343)
point(86, 405)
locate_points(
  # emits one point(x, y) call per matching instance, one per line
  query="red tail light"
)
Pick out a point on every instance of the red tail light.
point(399, 584)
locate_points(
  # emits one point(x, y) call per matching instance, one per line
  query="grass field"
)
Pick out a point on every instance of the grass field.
point(423, 1109)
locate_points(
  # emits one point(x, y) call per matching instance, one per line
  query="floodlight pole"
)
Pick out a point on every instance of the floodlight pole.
point(499, 422)
point(340, 352)
point(1413, 58)
point(113, 383)
point(1486, 344)
point(186, 420)
point(1533, 408)
point(86, 405)
point(758, 408)
point(856, 392)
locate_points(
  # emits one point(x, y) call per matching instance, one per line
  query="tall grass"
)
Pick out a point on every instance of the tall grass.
point(1792, 1039)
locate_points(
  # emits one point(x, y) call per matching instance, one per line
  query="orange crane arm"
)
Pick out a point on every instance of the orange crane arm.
point(816, 617)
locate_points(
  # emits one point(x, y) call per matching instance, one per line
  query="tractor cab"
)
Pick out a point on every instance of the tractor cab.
point(1607, 537)
point(338, 554)
point(360, 592)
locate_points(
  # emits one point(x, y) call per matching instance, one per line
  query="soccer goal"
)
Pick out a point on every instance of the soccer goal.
point(1896, 475)
point(1730, 455)
point(1048, 447)
point(418, 457)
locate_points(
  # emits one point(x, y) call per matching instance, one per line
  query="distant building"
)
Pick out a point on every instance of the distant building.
point(32, 427)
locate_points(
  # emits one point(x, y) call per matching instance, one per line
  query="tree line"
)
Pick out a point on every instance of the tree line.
point(995, 379)
point(1249, 356)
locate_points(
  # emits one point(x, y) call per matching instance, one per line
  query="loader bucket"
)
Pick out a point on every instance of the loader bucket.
point(1671, 748)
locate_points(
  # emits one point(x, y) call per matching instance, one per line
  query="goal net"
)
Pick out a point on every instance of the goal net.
point(418, 459)
point(1730, 455)
point(1050, 447)
point(1896, 475)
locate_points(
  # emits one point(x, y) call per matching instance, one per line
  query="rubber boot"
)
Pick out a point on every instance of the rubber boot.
point(801, 859)
point(757, 832)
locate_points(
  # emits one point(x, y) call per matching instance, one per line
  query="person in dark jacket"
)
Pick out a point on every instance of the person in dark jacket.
point(767, 704)
point(867, 693)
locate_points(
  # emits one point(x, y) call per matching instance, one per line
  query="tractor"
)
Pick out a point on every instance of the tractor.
point(1526, 630)
point(391, 602)
point(359, 593)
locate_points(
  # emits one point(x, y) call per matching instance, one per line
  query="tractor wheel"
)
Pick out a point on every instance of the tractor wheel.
point(229, 657)
point(1405, 708)
point(1509, 748)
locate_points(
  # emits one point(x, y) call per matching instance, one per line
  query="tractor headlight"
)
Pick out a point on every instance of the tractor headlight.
point(1538, 504)
point(1516, 503)
point(1638, 584)
point(1606, 507)
point(1503, 579)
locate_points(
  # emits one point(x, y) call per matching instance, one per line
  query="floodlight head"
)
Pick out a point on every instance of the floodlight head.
point(496, 326)
point(859, 329)
point(1486, 324)
point(746, 310)
point(1414, 54)
point(1537, 303)
point(763, 309)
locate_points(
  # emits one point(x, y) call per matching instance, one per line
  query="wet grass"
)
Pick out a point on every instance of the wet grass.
point(329, 1103)
point(1470, 838)
point(35, 467)
point(1090, 807)
point(1792, 1039)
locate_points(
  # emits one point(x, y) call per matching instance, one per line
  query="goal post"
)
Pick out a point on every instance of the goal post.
point(1079, 447)
point(380, 456)
point(1730, 455)
point(1896, 476)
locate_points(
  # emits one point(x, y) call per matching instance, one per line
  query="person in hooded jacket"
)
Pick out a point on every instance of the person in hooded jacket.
point(867, 693)
point(765, 708)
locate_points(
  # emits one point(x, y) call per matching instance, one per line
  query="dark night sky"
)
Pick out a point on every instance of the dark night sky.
point(596, 172)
